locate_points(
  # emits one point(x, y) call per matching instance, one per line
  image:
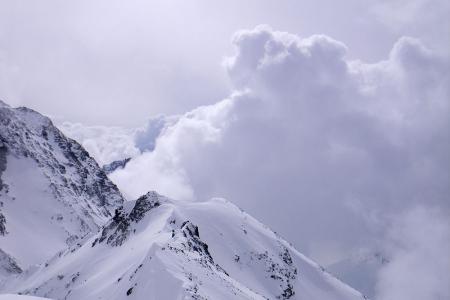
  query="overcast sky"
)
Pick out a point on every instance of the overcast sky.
point(330, 123)
point(107, 62)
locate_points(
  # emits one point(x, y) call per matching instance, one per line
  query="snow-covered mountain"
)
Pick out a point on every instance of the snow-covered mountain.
point(52, 193)
point(68, 234)
point(157, 248)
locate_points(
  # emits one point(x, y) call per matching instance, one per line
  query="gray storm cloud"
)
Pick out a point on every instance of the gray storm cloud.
point(326, 150)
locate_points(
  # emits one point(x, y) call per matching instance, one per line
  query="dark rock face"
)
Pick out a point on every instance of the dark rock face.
point(72, 174)
point(68, 178)
point(2, 224)
point(8, 265)
point(93, 180)
point(3, 152)
point(143, 205)
point(194, 243)
point(118, 164)
point(279, 267)
point(116, 232)
point(186, 241)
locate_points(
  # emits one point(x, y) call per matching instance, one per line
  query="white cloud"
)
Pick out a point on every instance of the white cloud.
point(309, 137)
point(105, 144)
point(178, 144)
point(419, 243)
point(324, 149)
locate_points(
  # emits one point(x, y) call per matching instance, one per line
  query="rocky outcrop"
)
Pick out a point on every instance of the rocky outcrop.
point(118, 229)
point(115, 165)
point(3, 152)
point(2, 224)
point(73, 175)
point(8, 266)
point(49, 183)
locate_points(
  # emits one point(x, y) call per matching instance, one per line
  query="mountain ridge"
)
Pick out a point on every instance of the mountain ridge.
point(91, 244)
point(198, 258)
point(48, 183)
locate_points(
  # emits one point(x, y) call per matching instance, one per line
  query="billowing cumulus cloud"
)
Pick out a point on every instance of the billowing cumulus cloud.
point(427, 19)
point(163, 169)
point(326, 150)
point(324, 142)
point(105, 143)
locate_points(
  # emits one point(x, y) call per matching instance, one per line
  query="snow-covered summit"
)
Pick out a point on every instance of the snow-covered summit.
point(51, 191)
point(157, 248)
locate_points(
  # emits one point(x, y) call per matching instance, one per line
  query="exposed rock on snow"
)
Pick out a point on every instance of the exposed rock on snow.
point(2, 224)
point(117, 164)
point(118, 229)
point(157, 248)
point(8, 266)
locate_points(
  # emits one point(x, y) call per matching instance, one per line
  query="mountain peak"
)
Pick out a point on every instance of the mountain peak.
point(50, 183)
point(156, 248)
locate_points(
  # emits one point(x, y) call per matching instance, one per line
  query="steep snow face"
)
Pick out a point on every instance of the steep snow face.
point(52, 192)
point(156, 248)
point(20, 297)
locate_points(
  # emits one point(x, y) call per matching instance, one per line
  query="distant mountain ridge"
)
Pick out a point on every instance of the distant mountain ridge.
point(117, 164)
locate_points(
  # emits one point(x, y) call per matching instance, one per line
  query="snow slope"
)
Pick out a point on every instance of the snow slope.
point(20, 297)
point(52, 192)
point(157, 248)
